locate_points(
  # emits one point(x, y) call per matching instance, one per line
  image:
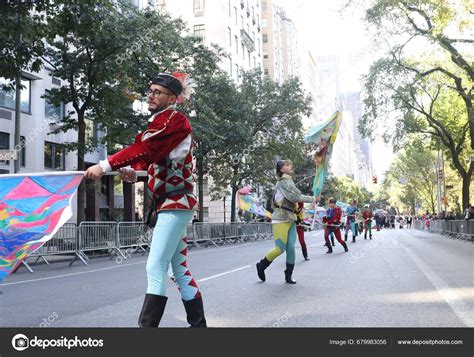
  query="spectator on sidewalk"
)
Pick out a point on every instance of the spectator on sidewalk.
point(469, 212)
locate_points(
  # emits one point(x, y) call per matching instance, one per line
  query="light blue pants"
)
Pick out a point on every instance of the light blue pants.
point(169, 245)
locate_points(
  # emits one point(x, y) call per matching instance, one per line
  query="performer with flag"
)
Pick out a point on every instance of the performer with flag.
point(332, 224)
point(351, 221)
point(300, 230)
point(164, 149)
point(285, 198)
point(367, 214)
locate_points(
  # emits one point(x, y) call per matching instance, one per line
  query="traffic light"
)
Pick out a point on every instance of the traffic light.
point(374, 179)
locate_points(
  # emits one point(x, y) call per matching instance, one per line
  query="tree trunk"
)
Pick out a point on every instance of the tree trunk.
point(432, 204)
point(81, 191)
point(466, 182)
point(233, 203)
point(200, 181)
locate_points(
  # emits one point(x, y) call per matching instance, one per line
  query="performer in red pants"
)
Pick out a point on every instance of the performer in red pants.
point(332, 223)
point(300, 230)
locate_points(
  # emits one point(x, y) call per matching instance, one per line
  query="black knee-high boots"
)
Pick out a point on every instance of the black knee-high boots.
point(195, 312)
point(261, 266)
point(152, 310)
point(288, 273)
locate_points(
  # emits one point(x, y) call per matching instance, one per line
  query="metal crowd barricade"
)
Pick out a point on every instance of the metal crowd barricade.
point(64, 242)
point(131, 236)
point(99, 236)
point(202, 234)
point(265, 231)
point(231, 232)
point(217, 233)
point(190, 236)
point(249, 231)
point(456, 229)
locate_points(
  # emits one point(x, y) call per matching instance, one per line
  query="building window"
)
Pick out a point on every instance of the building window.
point(236, 17)
point(236, 44)
point(249, 58)
point(55, 112)
point(198, 6)
point(200, 31)
point(160, 5)
point(254, 62)
point(230, 67)
point(265, 38)
point(265, 71)
point(264, 6)
point(243, 52)
point(265, 56)
point(54, 156)
point(7, 97)
point(230, 36)
point(230, 13)
point(23, 151)
point(4, 145)
point(237, 72)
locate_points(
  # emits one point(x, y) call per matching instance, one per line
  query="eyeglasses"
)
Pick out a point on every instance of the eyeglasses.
point(156, 93)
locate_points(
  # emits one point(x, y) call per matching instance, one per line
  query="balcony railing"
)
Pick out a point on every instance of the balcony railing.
point(247, 40)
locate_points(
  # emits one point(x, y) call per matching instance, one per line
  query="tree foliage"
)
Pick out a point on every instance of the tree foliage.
point(424, 83)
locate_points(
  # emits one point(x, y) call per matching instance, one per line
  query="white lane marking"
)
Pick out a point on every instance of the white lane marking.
point(142, 262)
point(71, 274)
point(224, 273)
point(451, 296)
point(114, 267)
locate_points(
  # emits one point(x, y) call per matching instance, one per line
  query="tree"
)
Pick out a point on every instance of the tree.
point(431, 94)
point(24, 55)
point(267, 126)
point(106, 52)
point(413, 176)
point(213, 121)
point(344, 189)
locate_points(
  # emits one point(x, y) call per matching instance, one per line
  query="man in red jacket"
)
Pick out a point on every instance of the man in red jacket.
point(164, 150)
point(332, 223)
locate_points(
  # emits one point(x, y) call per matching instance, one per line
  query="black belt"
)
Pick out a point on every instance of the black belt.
point(287, 209)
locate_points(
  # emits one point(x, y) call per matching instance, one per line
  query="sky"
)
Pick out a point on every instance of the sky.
point(324, 29)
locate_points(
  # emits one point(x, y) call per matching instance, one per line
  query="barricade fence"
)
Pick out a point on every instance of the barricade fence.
point(122, 239)
point(459, 229)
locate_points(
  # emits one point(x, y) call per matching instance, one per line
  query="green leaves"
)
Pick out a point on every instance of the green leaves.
point(424, 83)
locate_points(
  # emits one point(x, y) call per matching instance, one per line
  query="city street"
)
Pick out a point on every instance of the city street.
point(402, 278)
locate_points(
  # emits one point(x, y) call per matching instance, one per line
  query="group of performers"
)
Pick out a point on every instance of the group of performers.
point(164, 149)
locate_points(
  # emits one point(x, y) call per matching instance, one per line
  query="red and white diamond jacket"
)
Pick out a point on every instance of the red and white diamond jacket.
point(165, 151)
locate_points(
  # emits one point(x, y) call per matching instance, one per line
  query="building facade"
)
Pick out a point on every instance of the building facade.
point(42, 151)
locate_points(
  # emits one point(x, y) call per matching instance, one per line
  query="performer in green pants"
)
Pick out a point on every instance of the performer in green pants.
point(285, 200)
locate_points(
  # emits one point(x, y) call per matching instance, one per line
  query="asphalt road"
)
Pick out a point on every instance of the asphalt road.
point(402, 278)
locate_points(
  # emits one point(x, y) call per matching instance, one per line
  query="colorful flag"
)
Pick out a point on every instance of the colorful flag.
point(324, 135)
point(248, 203)
point(32, 209)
